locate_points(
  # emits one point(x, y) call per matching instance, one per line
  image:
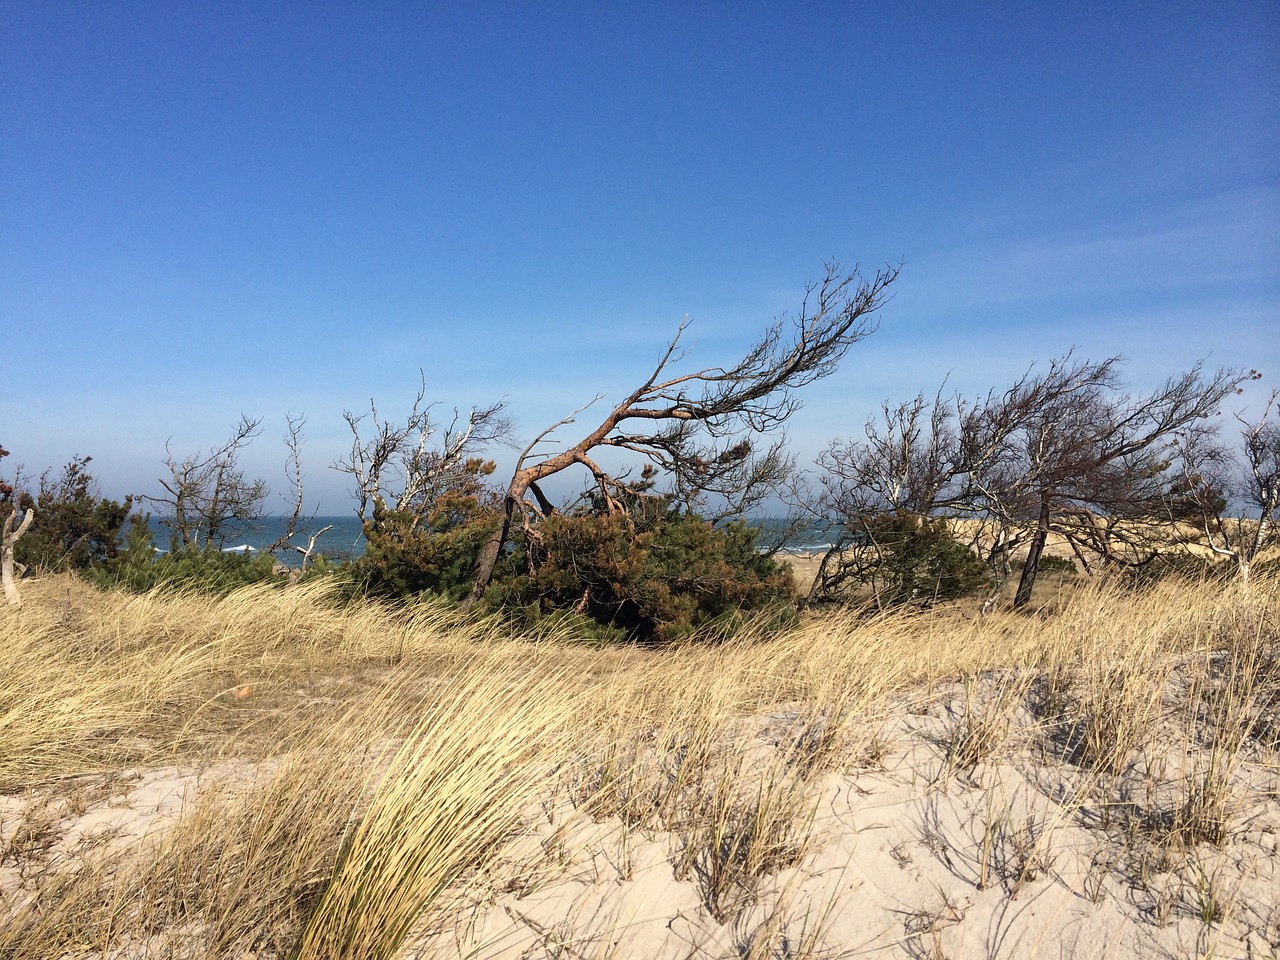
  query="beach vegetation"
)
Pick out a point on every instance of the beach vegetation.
point(276, 773)
point(78, 527)
point(664, 576)
point(1065, 452)
point(139, 567)
point(207, 496)
point(711, 436)
point(434, 550)
point(899, 558)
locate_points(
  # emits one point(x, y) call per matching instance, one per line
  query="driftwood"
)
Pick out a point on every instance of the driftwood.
point(10, 537)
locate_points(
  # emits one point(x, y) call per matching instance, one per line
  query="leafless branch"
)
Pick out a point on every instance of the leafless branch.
point(698, 427)
point(399, 468)
point(207, 494)
point(1063, 450)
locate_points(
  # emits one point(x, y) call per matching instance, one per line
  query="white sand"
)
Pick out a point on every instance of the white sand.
point(906, 858)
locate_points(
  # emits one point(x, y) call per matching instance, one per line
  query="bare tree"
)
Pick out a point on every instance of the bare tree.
point(9, 495)
point(1233, 496)
point(404, 468)
point(697, 428)
point(296, 525)
point(1078, 449)
point(1063, 451)
point(207, 494)
point(8, 537)
point(910, 462)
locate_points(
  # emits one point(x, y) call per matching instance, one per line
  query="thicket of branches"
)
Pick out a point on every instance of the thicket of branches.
point(1065, 451)
point(706, 432)
point(206, 496)
point(940, 496)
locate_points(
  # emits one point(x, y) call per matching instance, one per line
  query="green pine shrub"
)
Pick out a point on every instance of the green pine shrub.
point(664, 577)
point(140, 567)
point(405, 556)
point(902, 558)
point(75, 528)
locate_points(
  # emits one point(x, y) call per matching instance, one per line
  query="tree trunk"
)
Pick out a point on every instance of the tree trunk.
point(1032, 566)
point(10, 537)
point(488, 558)
point(999, 566)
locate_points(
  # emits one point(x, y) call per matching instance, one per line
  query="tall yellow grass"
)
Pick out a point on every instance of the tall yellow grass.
point(359, 764)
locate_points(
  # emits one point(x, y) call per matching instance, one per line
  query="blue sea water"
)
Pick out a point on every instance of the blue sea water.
point(346, 539)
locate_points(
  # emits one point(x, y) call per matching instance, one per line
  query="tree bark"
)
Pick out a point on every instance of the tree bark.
point(488, 557)
point(998, 563)
point(10, 537)
point(1032, 566)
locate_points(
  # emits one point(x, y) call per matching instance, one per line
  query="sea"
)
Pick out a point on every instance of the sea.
point(345, 538)
point(345, 541)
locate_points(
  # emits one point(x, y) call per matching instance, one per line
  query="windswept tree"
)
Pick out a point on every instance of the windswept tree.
point(700, 430)
point(423, 495)
point(207, 496)
point(876, 493)
point(1063, 451)
point(1232, 494)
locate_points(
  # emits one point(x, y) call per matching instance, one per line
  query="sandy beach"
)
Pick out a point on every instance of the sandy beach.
point(1101, 784)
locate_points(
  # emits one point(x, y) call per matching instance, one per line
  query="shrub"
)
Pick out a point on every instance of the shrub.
point(1063, 566)
point(403, 558)
point(75, 528)
point(903, 558)
point(660, 578)
point(140, 567)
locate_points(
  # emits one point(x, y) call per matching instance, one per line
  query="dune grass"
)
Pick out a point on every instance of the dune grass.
point(357, 779)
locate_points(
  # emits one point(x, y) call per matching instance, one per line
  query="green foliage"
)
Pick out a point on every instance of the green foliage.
point(666, 578)
point(906, 558)
point(6, 490)
point(74, 528)
point(1193, 498)
point(1181, 566)
point(1063, 566)
point(404, 557)
point(140, 567)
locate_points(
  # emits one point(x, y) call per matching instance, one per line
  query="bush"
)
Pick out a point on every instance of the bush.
point(140, 567)
point(904, 558)
point(1063, 566)
point(662, 578)
point(403, 558)
point(74, 528)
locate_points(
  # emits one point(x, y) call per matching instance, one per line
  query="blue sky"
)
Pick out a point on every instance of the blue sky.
point(273, 208)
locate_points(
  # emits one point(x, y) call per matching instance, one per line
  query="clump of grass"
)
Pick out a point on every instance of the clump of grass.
point(233, 873)
point(458, 784)
point(91, 680)
point(744, 826)
point(984, 722)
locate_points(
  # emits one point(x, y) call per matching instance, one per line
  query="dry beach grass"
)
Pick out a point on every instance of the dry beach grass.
point(272, 775)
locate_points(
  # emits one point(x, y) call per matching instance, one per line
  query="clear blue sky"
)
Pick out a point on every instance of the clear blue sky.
point(271, 207)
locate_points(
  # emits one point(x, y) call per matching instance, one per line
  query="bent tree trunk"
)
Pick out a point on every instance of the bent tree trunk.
point(488, 557)
point(998, 564)
point(10, 537)
point(659, 420)
point(1032, 566)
